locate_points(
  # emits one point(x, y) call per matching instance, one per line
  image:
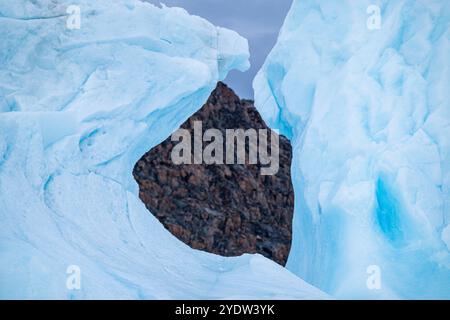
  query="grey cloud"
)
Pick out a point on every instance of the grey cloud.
point(257, 20)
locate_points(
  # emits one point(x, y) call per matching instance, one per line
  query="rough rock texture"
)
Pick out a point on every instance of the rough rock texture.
point(223, 209)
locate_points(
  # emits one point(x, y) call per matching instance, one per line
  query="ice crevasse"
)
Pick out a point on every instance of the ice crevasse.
point(78, 107)
point(367, 109)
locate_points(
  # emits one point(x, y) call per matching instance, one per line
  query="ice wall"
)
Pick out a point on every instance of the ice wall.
point(78, 107)
point(368, 113)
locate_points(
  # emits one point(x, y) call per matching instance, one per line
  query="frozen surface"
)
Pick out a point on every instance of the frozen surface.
point(78, 109)
point(368, 113)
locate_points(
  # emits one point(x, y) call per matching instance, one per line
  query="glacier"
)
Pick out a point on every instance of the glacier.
point(367, 110)
point(78, 108)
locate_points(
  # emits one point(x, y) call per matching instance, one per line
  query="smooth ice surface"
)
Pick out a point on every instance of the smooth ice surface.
point(78, 108)
point(368, 113)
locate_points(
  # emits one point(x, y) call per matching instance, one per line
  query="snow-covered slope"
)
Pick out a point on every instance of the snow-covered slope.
point(368, 113)
point(78, 108)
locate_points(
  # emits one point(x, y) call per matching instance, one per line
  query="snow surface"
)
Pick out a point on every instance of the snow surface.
point(368, 114)
point(78, 108)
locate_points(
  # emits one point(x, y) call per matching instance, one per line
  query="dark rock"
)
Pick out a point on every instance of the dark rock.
point(224, 209)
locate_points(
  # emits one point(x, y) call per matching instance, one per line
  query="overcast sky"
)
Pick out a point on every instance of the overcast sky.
point(257, 20)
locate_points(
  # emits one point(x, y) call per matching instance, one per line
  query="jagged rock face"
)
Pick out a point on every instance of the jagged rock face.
point(224, 209)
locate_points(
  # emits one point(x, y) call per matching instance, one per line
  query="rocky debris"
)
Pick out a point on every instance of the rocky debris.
point(224, 209)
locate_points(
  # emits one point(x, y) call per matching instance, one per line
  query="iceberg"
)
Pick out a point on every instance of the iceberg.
point(361, 89)
point(85, 91)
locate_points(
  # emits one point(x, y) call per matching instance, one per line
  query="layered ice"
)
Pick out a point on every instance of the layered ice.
point(362, 90)
point(79, 107)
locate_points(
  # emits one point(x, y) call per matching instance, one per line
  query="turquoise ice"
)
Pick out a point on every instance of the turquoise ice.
point(367, 109)
point(79, 107)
